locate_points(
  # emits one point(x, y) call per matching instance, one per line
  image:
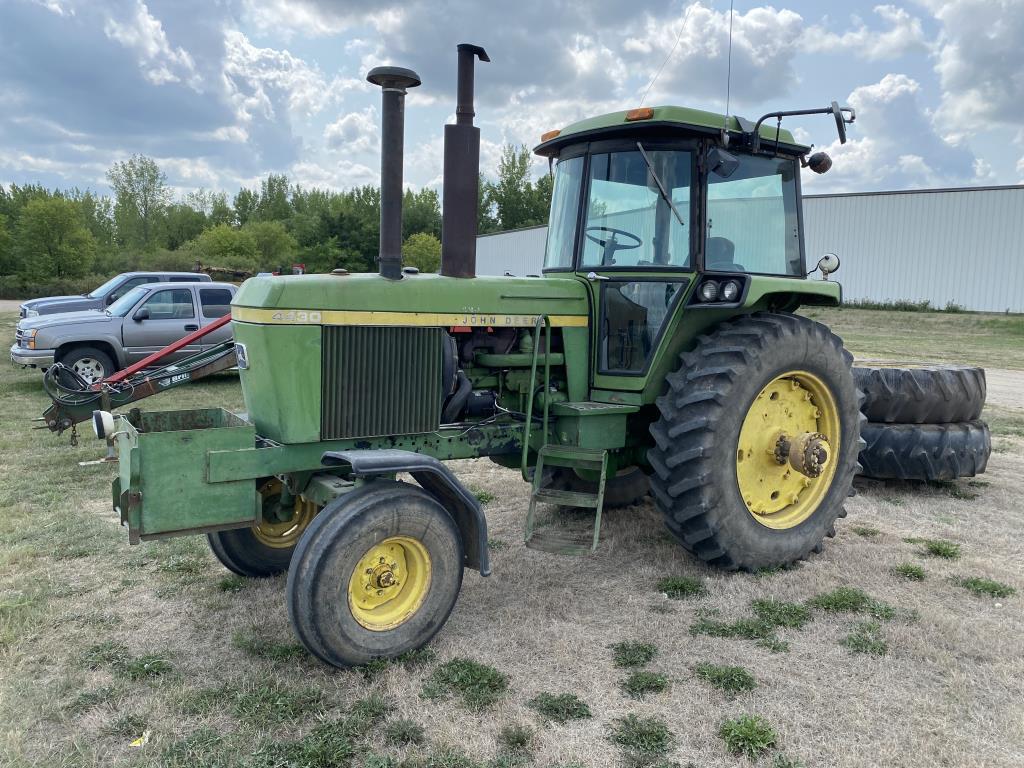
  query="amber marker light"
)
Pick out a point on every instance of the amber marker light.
point(640, 113)
point(547, 136)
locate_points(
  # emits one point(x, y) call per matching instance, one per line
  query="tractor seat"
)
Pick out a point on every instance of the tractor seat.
point(720, 254)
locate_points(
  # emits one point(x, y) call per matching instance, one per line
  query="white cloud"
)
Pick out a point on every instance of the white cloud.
point(903, 34)
point(160, 63)
point(343, 175)
point(895, 146)
point(354, 132)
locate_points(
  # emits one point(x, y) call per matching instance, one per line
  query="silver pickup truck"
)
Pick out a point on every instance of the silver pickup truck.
point(106, 294)
point(98, 342)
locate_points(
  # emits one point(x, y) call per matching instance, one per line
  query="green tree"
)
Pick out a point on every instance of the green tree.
point(274, 246)
point(8, 261)
point(53, 241)
point(142, 197)
point(227, 247)
point(513, 199)
point(423, 251)
point(220, 211)
point(273, 204)
point(183, 223)
point(245, 205)
point(421, 212)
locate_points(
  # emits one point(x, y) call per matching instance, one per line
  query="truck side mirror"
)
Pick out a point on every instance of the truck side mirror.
point(142, 314)
point(111, 298)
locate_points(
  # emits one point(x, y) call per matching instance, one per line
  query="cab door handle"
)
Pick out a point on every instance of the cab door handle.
point(191, 327)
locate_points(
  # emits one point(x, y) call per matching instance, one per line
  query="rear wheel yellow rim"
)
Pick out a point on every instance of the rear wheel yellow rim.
point(283, 534)
point(794, 404)
point(389, 583)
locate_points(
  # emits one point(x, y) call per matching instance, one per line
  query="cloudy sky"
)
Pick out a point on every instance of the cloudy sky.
point(221, 92)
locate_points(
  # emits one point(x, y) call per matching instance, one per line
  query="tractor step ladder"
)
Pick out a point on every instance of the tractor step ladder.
point(554, 537)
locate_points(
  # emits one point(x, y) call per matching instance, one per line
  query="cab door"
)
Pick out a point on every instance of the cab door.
point(214, 303)
point(635, 251)
point(164, 316)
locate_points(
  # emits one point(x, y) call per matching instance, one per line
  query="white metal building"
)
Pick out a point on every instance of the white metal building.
point(964, 246)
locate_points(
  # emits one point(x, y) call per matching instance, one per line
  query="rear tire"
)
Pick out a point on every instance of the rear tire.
point(925, 451)
point(342, 620)
point(937, 394)
point(704, 413)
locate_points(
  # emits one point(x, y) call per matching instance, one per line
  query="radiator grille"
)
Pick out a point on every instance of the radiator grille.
point(380, 381)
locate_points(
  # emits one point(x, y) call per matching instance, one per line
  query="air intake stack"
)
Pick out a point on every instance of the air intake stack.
point(461, 175)
point(393, 82)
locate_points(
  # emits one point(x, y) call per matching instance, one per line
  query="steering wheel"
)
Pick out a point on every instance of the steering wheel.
point(611, 245)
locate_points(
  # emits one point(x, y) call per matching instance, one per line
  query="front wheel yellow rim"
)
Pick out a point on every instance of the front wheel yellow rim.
point(779, 490)
point(282, 534)
point(389, 583)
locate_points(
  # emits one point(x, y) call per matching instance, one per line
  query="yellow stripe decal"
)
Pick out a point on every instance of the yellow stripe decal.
point(356, 317)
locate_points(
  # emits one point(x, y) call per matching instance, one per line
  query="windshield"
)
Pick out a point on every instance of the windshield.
point(629, 223)
point(104, 289)
point(122, 306)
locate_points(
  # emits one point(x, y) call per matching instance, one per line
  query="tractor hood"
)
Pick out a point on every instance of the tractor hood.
point(416, 299)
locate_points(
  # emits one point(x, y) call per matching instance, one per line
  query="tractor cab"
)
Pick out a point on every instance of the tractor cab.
point(662, 207)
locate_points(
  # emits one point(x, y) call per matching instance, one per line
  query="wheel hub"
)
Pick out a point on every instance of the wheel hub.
point(389, 583)
point(281, 526)
point(784, 451)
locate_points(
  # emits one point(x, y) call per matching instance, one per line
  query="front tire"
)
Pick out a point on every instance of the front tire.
point(376, 574)
point(90, 363)
point(728, 491)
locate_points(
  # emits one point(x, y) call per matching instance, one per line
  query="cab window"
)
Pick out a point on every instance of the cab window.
point(628, 221)
point(565, 203)
point(216, 302)
point(752, 218)
point(170, 305)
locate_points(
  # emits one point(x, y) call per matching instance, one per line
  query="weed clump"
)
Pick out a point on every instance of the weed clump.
point(865, 531)
point(909, 571)
point(642, 682)
point(986, 587)
point(484, 497)
point(866, 638)
point(479, 685)
point(561, 707)
point(748, 735)
point(851, 600)
point(402, 731)
point(948, 550)
point(633, 654)
point(781, 614)
point(682, 587)
point(261, 648)
point(267, 704)
point(729, 680)
point(643, 738)
point(418, 657)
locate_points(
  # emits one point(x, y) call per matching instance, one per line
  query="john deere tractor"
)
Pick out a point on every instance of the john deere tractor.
point(660, 351)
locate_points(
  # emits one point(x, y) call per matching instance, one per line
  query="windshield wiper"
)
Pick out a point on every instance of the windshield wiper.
point(661, 186)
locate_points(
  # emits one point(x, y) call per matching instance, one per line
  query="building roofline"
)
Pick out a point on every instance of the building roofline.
point(517, 229)
point(994, 188)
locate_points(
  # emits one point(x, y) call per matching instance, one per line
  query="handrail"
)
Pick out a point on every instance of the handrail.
point(546, 322)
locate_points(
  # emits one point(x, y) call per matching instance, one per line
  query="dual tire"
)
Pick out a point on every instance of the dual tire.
point(923, 422)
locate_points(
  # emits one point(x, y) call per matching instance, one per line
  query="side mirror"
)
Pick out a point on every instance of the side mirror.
point(840, 122)
point(142, 314)
point(828, 264)
point(111, 298)
point(722, 163)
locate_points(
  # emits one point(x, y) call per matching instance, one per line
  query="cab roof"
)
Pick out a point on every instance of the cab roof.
point(666, 120)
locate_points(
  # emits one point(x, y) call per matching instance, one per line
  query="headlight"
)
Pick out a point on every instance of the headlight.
point(730, 291)
point(709, 291)
point(28, 340)
point(31, 313)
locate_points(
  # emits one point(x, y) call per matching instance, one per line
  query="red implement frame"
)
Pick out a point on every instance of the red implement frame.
point(148, 361)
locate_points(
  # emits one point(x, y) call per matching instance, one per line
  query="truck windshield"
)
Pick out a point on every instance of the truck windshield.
point(123, 306)
point(104, 289)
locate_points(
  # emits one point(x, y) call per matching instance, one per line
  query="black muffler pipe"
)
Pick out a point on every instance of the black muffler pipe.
point(393, 82)
point(461, 175)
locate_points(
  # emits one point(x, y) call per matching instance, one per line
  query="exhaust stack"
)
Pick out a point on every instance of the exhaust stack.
point(393, 82)
point(461, 175)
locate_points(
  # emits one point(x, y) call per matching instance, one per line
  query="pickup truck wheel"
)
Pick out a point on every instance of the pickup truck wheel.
point(90, 363)
point(266, 549)
point(375, 575)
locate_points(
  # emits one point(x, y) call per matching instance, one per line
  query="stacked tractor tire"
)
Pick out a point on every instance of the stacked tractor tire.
point(923, 422)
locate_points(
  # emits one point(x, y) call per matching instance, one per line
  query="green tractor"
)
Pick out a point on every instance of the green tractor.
point(659, 352)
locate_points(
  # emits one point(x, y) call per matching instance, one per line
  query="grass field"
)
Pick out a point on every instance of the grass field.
point(900, 645)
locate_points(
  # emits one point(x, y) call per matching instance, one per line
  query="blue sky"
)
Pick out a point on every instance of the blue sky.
point(221, 92)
